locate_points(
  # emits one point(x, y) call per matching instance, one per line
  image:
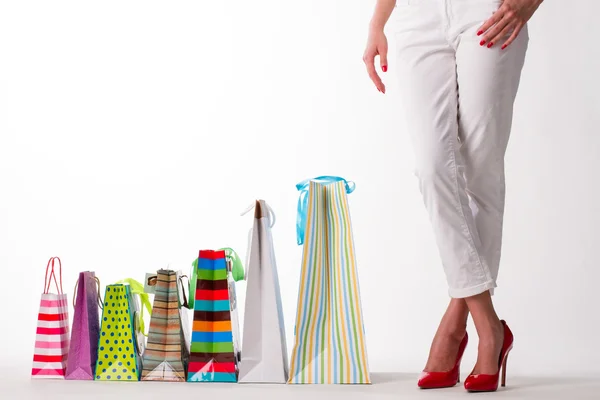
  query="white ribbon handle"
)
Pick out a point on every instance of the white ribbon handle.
point(270, 215)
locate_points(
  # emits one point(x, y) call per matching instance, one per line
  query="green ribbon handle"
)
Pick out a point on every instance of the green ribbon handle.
point(193, 281)
point(237, 269)
point(138, 288)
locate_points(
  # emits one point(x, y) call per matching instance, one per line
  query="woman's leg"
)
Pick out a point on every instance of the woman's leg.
point(490, 332)
point(458, 99)
point(488, 79)
point(426, 66)
point(451, 331)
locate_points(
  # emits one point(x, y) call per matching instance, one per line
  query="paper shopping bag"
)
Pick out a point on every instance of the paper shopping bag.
point(215, 334)
point(166, 354)
point(122, 332)
point(85, 333)
point(329, 335)
point(52, 335)
point(264, 356)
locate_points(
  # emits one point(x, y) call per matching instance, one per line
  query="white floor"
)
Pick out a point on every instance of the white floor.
point(385, 386)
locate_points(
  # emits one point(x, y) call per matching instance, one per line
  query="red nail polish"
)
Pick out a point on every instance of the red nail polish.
point(490, 44)
point(384, 68)
point(503, 46)
point(482, 43)
point(479, 33)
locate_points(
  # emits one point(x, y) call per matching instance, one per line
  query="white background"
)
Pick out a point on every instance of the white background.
point(133, 133)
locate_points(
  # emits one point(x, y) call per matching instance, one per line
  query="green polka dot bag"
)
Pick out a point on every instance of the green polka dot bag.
point(122, 337)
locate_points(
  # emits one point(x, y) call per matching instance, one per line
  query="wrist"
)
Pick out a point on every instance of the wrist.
point(376, 26)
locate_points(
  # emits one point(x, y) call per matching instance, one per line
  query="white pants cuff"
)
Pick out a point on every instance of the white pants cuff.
point(472, 291)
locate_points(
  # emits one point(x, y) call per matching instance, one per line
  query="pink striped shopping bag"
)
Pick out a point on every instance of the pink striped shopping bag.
point(52, 335)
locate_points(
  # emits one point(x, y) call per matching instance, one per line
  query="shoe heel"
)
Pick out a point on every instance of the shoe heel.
point(503, 381)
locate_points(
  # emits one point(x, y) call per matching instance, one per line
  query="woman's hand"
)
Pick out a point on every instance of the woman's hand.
point(377, 45)
point(508, 21)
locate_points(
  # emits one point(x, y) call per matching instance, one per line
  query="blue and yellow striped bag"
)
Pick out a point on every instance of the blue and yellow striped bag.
point(329, 334)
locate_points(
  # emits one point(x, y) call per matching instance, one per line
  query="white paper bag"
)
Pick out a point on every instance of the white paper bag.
point(264, 350)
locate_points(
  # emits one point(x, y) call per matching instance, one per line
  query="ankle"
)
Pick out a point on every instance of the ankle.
point(457, 333)
point(491, 334)
point(497, 329)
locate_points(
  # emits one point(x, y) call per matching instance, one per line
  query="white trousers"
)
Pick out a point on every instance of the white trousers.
point(458, 100)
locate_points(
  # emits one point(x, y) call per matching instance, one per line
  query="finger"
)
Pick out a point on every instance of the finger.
point(504, 33)
point(383, 59)
point(494, 19)
point(513, 36)
point(369, 60)
point(375, 77)
point(494, 31)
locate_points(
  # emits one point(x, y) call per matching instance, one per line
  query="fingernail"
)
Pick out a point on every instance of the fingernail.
point(479, 33)
point(482, 43)
point(490, 44)
point(503, 46)
point(384, 68)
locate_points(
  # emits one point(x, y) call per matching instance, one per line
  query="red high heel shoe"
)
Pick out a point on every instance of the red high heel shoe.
point(436, 380)
point(489, 383)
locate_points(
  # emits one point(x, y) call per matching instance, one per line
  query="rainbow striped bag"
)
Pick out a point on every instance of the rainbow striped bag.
point(214, 352)
point(329, 334)
point(52, 334)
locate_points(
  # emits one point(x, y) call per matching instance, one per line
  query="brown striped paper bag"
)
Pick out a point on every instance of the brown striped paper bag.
point(166, 355)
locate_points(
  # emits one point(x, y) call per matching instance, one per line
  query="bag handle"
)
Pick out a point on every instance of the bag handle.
point(303, 200)
point(138, 288)
point(271, 213)
point(185, 302)
point(237, 269)
point(257, 205)
point(48, 278)
point(100, 302)
point(193, 281)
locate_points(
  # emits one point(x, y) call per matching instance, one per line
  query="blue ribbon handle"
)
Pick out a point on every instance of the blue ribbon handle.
point(303, 200)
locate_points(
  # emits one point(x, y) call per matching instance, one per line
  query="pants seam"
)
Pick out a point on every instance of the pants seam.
point(486, 273)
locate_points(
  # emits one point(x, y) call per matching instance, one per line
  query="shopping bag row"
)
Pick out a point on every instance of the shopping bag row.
point(109, 339)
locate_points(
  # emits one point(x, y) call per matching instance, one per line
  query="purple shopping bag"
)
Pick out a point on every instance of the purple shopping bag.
point(86, 329)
